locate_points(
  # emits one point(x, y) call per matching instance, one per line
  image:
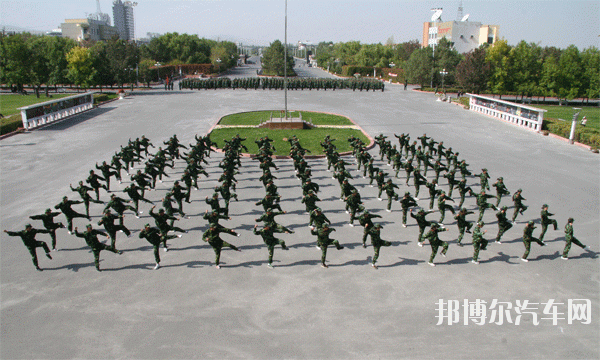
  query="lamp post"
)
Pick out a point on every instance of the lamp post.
point(443, 73)
point(574, 125)
point(157, 71)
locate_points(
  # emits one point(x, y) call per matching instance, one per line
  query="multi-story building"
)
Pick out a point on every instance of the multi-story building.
point(87, 29)
point(123, 17)
point(465, 35)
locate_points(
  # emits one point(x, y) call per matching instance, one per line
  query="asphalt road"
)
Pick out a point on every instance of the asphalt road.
point(189, 309)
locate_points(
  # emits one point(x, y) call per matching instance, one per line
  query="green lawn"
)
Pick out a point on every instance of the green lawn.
point(10, 103)
point(309, 139)
point(255, 117)
point(556, 112)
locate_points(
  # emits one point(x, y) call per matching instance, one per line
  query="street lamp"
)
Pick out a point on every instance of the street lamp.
point(443, 73)
point(574, 125)
point(157, 71)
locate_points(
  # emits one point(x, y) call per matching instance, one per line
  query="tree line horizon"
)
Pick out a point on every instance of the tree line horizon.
point(525, 69)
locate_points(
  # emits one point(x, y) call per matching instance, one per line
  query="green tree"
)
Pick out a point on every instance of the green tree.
point(498, 56)
point(473, 71)
point(122, 59)
point(590, 61)
point(273, 60)
point(571, 72)
point(15, 60)
point(549, 78)
point(81, 70)
point(419, 66)
point(445, 58)
point(527, 64)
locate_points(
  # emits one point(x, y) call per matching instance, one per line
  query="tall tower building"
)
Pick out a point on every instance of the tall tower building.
point(123, 18)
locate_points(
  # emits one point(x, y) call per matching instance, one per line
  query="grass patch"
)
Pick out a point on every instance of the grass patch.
point(10, 103)
point(309, 139)
point(255, 117)
point(556, 112)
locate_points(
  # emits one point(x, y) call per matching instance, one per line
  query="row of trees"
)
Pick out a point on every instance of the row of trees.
point(35, 60)
point(526, 69)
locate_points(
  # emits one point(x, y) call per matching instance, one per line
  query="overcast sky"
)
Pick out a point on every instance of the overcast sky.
point(259, 22)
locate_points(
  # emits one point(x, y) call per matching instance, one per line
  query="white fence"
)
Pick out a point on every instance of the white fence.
point(54, 110)
point(521, 115)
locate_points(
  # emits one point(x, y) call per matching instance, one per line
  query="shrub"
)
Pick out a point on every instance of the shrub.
point(583, 135)
point(10, 124)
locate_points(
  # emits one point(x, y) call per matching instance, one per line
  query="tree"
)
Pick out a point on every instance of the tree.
point(590, 61)
point(146, 73)
point(273, 60)
point(81, 70)
point(15, 60)
point(497, 56)
point(419, 66)
point(549, 77)
point(122, 59)
point(445, 57)
point(571, 72)
point(526, 61)
point(473, 71)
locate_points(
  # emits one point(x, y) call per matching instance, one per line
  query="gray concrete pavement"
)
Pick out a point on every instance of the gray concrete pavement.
point(189, 309)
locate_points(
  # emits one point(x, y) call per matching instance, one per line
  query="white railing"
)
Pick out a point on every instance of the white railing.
point(51, 111)
point(521, 115)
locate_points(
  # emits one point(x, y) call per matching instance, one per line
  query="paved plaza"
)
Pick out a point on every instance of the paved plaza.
point(298, 310)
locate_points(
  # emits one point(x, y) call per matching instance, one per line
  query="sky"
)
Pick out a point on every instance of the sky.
point(259, 22)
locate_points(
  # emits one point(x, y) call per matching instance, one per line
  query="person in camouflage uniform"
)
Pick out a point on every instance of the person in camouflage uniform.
point(452, 182)
point(118, 205)
point(91, 238)
point(407, 202)
point(108, 220)
point(365, 220)
point(28, 237)
point(48, 221)
point(483, 204)
point(154, 237)
point(519, 207)
point(442, 206)
point(82, 190)
point(270, 240)
point(463, 224)
point(500, 190)
point(570, 239)
point(212, 237)
point(433, 192)
point(545, 215)
point(269, 219)
point(463, 189)
point(528, 238)
point(354, 205)
point(323, 240)
point(422, 223)
point(479, 243)
point(483, 179)
point(391, 194)
point(310, 201)
point(377, 242)
point(133, 192)
point(435, 242)
point(95, 184)
point(503, 224)
point(418, 181)
point(70, 214)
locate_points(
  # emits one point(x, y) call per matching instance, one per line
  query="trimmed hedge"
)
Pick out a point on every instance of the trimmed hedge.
point(10, 124)
point(583, 135)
